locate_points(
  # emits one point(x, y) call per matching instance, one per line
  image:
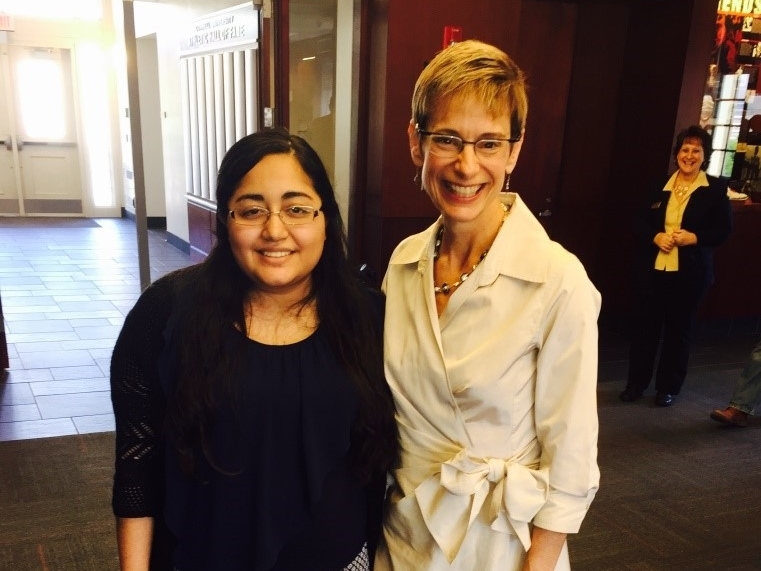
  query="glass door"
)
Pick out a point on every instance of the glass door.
point(40, 164)
point(322, 54)
point(312, 76)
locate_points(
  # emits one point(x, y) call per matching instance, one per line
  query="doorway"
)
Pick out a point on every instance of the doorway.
point(40, 171)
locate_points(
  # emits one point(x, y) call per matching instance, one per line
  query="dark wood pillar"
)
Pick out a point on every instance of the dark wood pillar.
point(4, 362)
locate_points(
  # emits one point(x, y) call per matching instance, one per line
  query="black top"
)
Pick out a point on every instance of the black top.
point(280, 493)
point(708, 214)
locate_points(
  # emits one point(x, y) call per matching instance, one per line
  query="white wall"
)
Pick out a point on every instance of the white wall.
point(150, 125)
point(175, 183)
point(168, 20)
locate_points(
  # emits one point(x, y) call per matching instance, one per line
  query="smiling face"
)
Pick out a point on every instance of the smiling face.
point(466, 187)
point(277, 257)
point(690, 158)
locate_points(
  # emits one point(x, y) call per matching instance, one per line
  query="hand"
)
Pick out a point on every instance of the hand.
point(134, 537)
point(545, 550)
point(664, 241)
point(684, 238)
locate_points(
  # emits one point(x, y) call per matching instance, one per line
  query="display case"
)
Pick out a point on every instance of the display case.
point(729, 111)
point(729, 100)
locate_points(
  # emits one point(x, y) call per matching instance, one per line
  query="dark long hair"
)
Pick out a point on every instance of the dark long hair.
point(345, 310)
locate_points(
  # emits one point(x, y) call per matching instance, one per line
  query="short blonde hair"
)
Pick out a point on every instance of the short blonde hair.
point(472, 69)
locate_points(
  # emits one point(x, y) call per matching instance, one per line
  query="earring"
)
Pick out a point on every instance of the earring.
point(507, 182)
point(417, 180)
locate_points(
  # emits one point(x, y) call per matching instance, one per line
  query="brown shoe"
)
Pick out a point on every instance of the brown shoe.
point(730, 416)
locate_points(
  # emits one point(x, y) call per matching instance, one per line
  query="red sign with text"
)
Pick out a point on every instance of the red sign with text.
point(452, 34)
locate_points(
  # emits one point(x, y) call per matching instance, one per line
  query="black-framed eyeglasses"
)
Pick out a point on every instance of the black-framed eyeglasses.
point(295, 215)
point(449, 146)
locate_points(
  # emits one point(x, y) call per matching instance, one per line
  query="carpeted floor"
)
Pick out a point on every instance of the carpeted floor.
point(55, 512)
point(678, 491)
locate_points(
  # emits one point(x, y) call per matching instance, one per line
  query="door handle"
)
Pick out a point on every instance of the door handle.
point(20, 143)
point(8, 142)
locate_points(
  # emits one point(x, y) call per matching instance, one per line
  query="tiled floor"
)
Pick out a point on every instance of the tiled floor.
point(66, 287)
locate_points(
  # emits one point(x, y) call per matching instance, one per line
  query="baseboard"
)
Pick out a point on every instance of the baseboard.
point(153, 222)
point(159, 223)
point(178, 243)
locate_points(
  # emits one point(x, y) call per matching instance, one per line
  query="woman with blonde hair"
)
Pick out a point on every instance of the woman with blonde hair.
point(490, 344)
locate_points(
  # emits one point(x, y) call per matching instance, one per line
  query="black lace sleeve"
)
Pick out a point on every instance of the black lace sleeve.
point(139, 404)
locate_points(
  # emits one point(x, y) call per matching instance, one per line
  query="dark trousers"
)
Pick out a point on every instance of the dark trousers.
point(666, 307)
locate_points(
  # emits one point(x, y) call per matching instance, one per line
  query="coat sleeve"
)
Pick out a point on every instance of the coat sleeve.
point(565, 408)
point(139, 405)
point(717, 225)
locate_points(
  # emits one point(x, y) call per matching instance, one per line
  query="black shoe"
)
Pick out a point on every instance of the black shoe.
point(629, 394)
point(664, 399)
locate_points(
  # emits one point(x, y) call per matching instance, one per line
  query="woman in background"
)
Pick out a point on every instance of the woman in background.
point(490, 344)
point(254, 427)
point(676, 234)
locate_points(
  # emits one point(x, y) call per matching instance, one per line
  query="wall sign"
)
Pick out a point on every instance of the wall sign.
point(6, 23)
point(740, 7)
point(223, 30)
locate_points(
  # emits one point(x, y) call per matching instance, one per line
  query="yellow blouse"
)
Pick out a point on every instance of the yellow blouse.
point(674, 212)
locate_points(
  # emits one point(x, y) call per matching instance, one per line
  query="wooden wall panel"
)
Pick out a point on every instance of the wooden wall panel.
point(699, 46)
point(201, 224)
point(545, 53)
point(4, 361)
point(738, 273)
point(588, 152)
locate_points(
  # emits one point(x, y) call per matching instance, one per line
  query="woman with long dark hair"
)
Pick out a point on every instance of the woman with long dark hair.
point(254, 427)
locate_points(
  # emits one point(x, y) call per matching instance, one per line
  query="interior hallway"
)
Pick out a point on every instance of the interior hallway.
point(66, 286)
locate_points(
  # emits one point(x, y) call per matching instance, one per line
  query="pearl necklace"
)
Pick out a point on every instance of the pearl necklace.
point(445, 288)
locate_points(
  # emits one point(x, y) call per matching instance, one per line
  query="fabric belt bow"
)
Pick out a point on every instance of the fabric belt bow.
point(450, 502)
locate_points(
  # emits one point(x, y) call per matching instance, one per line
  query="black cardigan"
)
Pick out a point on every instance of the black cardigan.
point(139, 406)
point(708, 215)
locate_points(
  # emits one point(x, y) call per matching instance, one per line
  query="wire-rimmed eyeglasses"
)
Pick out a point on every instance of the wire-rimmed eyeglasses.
point(257, 216)
point(449, 146)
